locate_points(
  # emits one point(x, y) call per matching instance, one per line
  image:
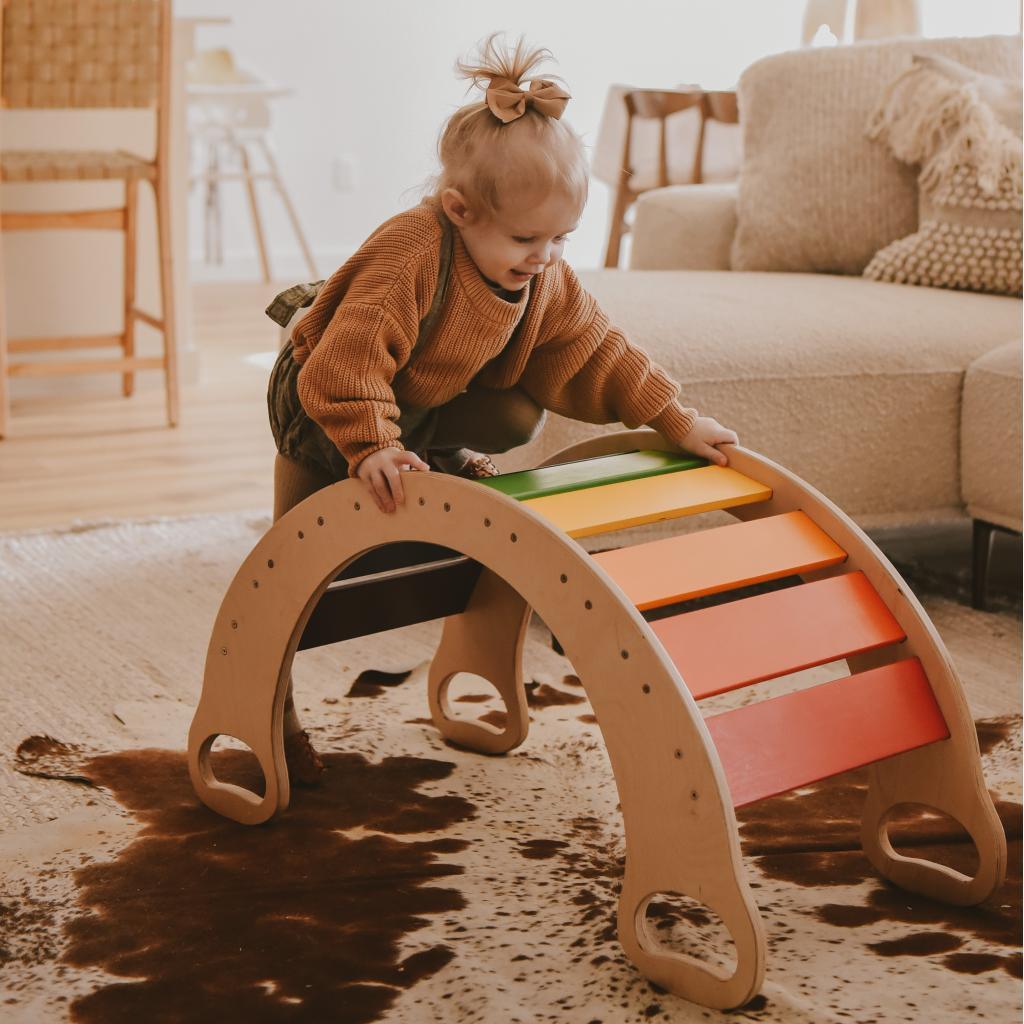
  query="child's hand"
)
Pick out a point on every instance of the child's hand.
point(703, 438)
point(381, 472)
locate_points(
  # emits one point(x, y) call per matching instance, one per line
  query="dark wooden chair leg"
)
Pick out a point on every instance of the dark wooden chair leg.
point(982, 554)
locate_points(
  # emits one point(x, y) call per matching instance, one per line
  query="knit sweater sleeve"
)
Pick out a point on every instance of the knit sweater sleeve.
point(351, 355)
point(586, 369)
point(345, 382)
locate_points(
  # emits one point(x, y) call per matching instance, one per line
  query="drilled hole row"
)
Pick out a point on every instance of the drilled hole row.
point(514, 538)
point(320, 521)
point(563, 578)
point(677, 753)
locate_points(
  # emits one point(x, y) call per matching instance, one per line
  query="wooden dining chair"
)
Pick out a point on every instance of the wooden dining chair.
point(660, 105)
point(721, 106)
point(110, 54)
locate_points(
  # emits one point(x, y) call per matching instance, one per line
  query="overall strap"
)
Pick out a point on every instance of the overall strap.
point(444, 274)
point(286, 304)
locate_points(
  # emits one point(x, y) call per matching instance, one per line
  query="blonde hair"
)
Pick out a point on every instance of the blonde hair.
point(491, 162)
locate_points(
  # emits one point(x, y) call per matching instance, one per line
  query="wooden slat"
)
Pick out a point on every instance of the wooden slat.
point(230, 176)
point(618, 506)
point(780, 744)
point(402, 598)
point(89, 220)
point(732, 645)
point(63, 344)
point(575, 476)
point(146, 318)
point(679, 568)
point(53, 369)
point(406, 555)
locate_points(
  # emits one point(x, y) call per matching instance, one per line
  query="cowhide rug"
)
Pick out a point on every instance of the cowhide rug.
point(419, 883)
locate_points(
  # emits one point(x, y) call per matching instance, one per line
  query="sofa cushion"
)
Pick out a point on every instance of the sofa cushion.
point(815, 193)
point(853, 384)
point(684, 227)
point(990, 437)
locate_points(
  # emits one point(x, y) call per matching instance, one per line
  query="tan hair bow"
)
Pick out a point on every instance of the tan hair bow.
point(507, 100)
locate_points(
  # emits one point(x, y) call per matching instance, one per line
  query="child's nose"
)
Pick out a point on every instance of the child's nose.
point(541, 256)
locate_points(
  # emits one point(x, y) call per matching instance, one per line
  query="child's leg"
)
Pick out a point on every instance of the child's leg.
point(484, 420)
point(294, 482)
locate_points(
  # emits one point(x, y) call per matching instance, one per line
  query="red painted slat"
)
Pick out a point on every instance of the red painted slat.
point(744, 642)
point(786, 742)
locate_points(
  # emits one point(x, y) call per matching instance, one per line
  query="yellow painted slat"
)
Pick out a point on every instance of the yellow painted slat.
point(635, 502)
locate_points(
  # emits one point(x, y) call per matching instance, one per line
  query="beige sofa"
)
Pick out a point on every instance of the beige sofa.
point(855, 385)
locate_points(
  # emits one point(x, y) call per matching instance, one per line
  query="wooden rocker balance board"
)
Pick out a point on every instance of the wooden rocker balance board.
point(484, 554)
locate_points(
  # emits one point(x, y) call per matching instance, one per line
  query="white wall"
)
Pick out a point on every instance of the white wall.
point(373, 81)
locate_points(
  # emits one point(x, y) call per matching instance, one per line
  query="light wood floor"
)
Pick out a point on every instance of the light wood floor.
point(86, 458)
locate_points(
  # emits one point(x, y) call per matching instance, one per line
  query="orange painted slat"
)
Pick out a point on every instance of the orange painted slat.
point(732, 645)
point(679, 568)
point(648, 500)
point(787, 742)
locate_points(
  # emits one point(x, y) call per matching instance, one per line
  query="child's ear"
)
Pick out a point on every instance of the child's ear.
point(454, 204)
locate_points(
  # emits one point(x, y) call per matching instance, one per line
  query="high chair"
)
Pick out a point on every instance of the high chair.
point(229, 112)
point(111, 54)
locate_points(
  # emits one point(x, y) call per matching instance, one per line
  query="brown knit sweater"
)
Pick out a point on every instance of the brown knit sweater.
point(355, 345)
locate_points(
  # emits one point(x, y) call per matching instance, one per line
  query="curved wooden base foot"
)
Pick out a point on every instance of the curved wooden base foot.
point(235, 802)
point(920, 780)
point(687, 976)
point(485, 640)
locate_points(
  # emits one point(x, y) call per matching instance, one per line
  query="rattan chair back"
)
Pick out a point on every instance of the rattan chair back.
point(83, 53)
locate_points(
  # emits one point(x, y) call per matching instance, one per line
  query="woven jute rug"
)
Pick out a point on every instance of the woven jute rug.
point(419, 883)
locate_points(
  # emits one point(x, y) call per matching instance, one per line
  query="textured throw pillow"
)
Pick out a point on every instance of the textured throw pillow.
point(963, 129)
point(815, 194)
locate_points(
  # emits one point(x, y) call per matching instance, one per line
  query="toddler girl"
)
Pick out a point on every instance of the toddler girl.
point(457, 323)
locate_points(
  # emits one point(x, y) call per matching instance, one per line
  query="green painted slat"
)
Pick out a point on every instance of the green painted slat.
point(575, 476)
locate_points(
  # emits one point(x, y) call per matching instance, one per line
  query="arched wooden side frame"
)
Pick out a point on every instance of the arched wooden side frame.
point(681, 834)
point(680, 827)
point(946, 776)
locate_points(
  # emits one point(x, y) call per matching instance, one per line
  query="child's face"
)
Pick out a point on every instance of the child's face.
point(519, 241)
